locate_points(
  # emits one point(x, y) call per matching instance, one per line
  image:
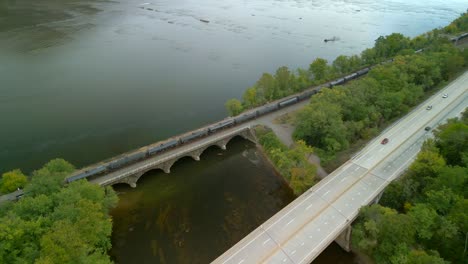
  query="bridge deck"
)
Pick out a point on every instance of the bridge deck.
point(304, 228)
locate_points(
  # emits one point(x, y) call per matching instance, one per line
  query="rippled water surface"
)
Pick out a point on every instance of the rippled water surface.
point(88, 79)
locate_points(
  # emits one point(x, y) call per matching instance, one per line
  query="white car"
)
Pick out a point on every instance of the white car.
point(445, 96)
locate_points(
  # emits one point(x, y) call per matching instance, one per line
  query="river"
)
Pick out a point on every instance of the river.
point(88, 79)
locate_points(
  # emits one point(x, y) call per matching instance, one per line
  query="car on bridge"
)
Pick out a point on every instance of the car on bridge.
point(384, 141)
point(429, 107)
point(445, 96)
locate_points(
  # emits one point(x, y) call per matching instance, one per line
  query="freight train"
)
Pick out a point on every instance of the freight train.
point(146, 152)
point(460, 37)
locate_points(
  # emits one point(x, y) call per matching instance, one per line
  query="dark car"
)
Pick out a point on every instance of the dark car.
point(427, 128)
point(429, 107)
point(384, 141)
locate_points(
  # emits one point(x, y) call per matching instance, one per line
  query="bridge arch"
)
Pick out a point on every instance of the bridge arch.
point(194, 154)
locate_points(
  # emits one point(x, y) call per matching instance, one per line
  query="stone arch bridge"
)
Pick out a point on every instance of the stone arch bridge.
point(164, 161)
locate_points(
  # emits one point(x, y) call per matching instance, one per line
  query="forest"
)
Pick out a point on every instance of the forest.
point(54, 222)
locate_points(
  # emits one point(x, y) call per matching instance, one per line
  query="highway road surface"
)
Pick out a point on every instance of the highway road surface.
point(304, 228)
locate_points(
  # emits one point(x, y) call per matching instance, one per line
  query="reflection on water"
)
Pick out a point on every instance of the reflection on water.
point(199, 210)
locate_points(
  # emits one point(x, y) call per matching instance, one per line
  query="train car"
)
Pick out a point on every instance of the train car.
point(170, 144)
point(418, 51)
point(307, 94)
point(332, 83)
point(136, 156)
point(267, 109)
point(388, 61)
point(246, 117)
point(162, 147)
point(363, 71)
point(221, 125)
point(287, 102)
point(462, 36)
point(351, 77)
point(127, 159)
point(337, 82)
point(193, 136)
point(155, 149)
point(87, 173)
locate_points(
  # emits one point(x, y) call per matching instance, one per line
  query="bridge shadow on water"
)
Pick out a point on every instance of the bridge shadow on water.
point(199, 210)
point(213, 152)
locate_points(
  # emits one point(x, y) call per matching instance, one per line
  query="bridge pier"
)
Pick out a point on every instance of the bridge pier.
point(132, 180)
point(166, 166)
point(377, 198)
point(344, 239)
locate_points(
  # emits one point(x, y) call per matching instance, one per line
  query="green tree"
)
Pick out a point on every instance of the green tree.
point(319, 69)
point(453, 142)
point(58, 224)
point(320, 125)
point(12, 180)
point(49, 178)
point(425, 219)
point(234, 107)
point(250, 98)
point(283, 80)
point(266, 87)
point(421, 257)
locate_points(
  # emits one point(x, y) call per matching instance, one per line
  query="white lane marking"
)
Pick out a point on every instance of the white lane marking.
point(290, 221)
point(382, 149)
point(342, 180)
point(318, 229)
point(307, 208)
point(327, 192)
point(356, 169)
point(266, 241)
point(326, 223)
point(284, 260)
point(293, 252)
point(302, 244)
point(310, 237)
point(241, 261)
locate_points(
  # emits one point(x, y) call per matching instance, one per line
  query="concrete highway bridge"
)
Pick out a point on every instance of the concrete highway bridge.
point(303, 229)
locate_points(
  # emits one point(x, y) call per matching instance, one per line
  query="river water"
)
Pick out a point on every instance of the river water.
point(88, 79)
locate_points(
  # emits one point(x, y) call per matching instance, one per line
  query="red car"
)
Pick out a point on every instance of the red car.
point(384, 141)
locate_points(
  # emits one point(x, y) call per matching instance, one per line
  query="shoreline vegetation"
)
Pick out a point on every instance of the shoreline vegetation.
point(339, 120)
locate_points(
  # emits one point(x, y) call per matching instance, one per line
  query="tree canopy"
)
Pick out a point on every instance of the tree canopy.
point(12, 180)
point(57, 223)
